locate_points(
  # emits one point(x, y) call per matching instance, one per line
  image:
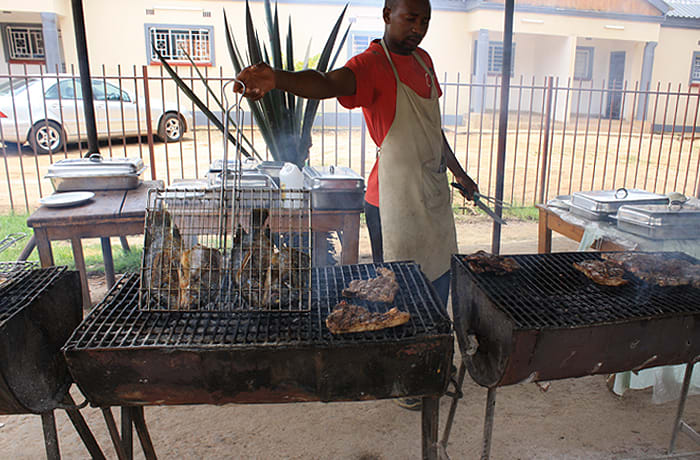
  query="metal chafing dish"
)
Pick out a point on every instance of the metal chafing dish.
point(334, 187)
point(95, 173)
point(674, 221)
point(601, 204)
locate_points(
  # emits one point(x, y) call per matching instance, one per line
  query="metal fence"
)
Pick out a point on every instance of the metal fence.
point(562, 136)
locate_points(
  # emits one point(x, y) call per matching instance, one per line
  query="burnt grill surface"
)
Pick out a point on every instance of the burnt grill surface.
point(118, 322)
point(24, 285)
point(548, 292)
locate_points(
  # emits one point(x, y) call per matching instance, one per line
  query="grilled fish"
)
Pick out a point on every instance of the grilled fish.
point(200, 277)
point(162, 250)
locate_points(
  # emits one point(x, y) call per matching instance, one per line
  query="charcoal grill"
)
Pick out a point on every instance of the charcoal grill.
point(39, 309)
point(121, 355)
point(548, 321)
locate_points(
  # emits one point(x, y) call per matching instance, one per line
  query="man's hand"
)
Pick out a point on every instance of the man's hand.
point(258, 80)
point(469, 185)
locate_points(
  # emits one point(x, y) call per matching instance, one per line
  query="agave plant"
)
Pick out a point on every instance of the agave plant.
point(284, 120)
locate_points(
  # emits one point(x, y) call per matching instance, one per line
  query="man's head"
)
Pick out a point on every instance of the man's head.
point(406, 23)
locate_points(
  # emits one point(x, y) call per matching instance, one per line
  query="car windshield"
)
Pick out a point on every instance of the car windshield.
point(16, 84)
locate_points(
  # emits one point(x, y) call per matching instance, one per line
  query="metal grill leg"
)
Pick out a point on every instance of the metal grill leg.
point(488, 423)
point(453, 406)
point(429, 427)
point(48, 424)
point(142, 431)
point(83, 430)
point(127, 433)
point(679, 424)
point(114, 433)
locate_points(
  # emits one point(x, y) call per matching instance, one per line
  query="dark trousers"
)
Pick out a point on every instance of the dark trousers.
point(374, 225)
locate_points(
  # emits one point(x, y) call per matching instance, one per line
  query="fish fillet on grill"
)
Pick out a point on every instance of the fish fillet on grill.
point(602, 272)
point(347, 318)
point(657, 269)
point(383, 288)
point(483, 262)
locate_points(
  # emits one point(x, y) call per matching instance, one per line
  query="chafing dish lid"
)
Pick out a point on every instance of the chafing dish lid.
point(608, 201)
point(95, 165)
point(333, 177)
point(661, 215)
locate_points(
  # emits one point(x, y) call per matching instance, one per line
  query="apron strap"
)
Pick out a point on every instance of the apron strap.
point(388, 56)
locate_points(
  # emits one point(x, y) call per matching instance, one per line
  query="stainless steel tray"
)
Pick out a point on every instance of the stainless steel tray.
point(609, 201)
point(335, 188)
point(588, 214)
point(661, 221)
point(95, 173)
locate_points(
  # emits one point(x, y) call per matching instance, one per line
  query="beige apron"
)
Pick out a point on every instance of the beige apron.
point(414, 196)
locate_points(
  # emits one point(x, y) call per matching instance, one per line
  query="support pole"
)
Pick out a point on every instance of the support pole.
point(488, 423)
point(503, 121)
point(85, 81)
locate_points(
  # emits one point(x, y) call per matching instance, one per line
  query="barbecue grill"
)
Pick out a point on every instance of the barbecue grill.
point(39, 309)
point(548, 321)
point(121, 355)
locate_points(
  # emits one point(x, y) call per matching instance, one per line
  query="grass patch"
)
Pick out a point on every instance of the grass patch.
point(523, 213)
point(62, 251)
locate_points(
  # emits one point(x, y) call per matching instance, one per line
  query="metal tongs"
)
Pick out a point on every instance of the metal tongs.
point(479, 199)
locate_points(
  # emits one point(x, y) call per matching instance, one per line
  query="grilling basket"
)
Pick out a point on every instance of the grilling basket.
point(231, 245)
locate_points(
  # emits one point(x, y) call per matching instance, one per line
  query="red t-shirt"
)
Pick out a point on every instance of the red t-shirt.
point(375, 92)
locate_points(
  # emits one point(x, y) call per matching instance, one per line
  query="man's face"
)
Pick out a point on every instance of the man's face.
point(406, 25)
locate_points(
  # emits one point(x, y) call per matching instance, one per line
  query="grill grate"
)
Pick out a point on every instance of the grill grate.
point(548, 292)
point(24, 289)
point(118, 323)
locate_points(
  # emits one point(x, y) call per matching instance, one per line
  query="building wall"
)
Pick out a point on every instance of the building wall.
point(673, 56)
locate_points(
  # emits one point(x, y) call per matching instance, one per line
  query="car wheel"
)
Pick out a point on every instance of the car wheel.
point(171, 128)
point(47, 136)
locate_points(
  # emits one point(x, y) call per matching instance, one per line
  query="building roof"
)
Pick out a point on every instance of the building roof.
point(689, 9)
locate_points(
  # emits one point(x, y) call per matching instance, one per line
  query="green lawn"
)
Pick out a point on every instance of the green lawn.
point(62, 252)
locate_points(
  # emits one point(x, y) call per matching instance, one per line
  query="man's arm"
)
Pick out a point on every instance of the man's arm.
point(261, 78)
point(460, 176)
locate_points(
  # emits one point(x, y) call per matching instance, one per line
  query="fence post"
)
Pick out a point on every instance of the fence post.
point(545, 144)
point(149, 124)
point(363, 143)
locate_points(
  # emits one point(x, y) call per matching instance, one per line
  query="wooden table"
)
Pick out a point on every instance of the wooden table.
point(110, 213)
point(549, 220)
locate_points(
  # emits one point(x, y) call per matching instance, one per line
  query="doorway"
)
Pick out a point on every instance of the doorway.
point(616, 79)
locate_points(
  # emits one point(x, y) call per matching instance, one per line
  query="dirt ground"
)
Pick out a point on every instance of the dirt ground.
point(574, 419)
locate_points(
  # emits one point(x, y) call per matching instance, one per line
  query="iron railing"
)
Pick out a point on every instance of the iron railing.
point(563, 136)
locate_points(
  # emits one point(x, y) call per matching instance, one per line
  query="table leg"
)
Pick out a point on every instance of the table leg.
point(43, 245)
point(125, 244)
point(319, 249)
point(544, 234)
point(48, 423)
point(351, 239)
point(429, 427)
point(109, 262)
point(80, 265)
point(27, 250)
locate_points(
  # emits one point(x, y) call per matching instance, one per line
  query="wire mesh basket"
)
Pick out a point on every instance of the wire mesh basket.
point(227, 247)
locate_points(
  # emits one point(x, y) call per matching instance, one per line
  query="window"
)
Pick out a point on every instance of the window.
point(24, 43)
point(174, 41)
point(583, 63)
point(69, 89)
point(695, 69)
point(359, 41)
point(495, 58)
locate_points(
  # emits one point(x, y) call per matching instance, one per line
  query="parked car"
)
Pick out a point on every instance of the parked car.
point(50, 115)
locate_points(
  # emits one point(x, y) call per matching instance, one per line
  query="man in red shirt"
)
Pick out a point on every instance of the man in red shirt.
point(408, 203)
